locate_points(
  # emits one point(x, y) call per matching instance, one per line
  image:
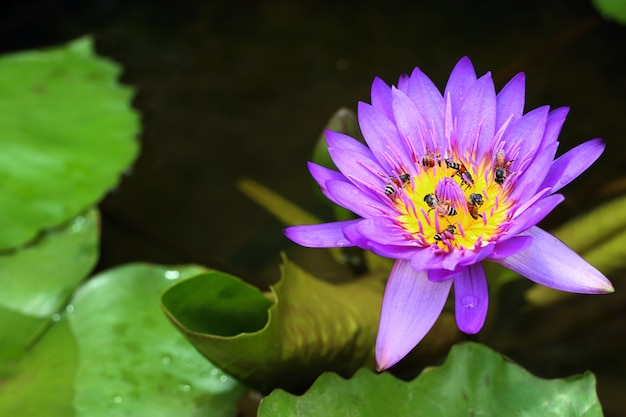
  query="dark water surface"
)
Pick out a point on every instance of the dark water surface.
point(234, 89)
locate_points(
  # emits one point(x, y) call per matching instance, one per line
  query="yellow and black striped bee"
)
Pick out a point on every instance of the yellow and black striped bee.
point(430, 159)
point(442, 208)
point(450, 230)
point(461, 171)
point(393, 184)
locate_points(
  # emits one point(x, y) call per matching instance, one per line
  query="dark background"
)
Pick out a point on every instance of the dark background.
point(242, 89)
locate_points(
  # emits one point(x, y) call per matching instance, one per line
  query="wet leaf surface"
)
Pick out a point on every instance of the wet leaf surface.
point(114, 353)
point(67, 134)
point(473, 381)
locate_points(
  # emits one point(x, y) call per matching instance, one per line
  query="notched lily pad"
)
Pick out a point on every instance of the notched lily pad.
point(474, 381)
point(67, 132)
point(311, 326)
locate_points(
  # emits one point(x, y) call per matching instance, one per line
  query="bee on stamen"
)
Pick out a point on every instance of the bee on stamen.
point(461, 171)
point(501, 167)
point(442, 208)
point(474, 201)
point(446, 234)
point(430, 159)
point(392, 185)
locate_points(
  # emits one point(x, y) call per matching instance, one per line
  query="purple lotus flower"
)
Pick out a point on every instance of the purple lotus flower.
point(449, 181)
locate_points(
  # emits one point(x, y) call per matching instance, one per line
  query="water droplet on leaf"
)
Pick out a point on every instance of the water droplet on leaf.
point(117, 399)
point(172, 274)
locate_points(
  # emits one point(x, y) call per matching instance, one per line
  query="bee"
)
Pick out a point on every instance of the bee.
point(390, 190)
point(393, 184)
point(501, 167)
point(461, 171)
point(450, 230)
point(430, 159)
point(442, 208)
point(474, 201)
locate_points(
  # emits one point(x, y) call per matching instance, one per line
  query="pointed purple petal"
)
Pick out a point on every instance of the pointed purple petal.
point(322, 174)
point(381, 97)
point(362, 172)
point(510, 100)
point(346, 143)
point(411, 123)
point(471, 299)
point(526, 135)
point(411, 305)
point(461, 78)
point(355, 200)
point(325, 235)
point(510, 247)
point(549, 262)
point(534, 173)
point(554, 124)
point(428, 101)
point(465, 257)
point(572, 163)
point(382, 136)
point(384, 230)
point(477, 116)
point(438, 275)
point(534, 214)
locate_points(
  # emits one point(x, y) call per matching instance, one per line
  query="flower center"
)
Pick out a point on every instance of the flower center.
point(452, 202)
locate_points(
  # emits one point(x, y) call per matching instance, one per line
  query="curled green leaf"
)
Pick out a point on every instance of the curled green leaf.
point(283, 339)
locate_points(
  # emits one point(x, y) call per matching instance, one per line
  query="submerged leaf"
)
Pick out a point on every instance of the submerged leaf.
point(474, 381)
point(311, 327)
point(67, 132)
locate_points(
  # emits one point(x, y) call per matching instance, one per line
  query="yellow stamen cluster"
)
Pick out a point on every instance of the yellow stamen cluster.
point(464, 222)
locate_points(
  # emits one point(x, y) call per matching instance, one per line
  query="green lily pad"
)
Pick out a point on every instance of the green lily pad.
point(612, 9)
point(311, 327)
point(42, 384)
point(132, 361)
point(474, 381)
point(37, 281)
point(67, 132)
point(113, 353)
